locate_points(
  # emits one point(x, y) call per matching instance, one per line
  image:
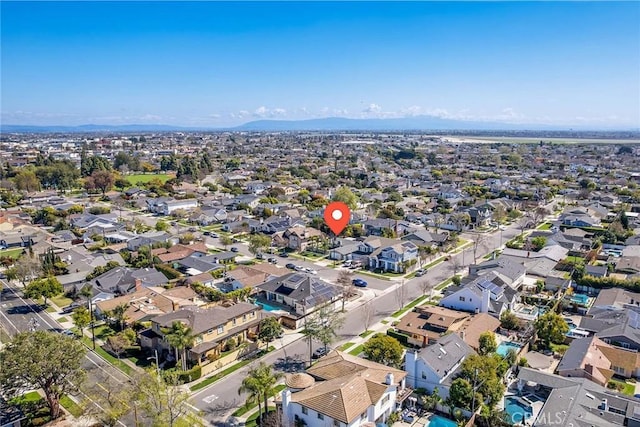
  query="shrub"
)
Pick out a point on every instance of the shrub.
point(99, 210)
point(169, 272)
point(404, 339)
point(190, 375)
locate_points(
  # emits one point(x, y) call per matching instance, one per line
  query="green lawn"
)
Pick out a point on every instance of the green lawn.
point(356, 351)
point(365, 334)
point(409, 306)
point(144, 178)
point(384, 322)
point(71, 406)
point(368, 273)
point(434, 263)
point(624, 387)
point(243, 410)
point(220, 375)
point(12, 253)
point(50, 309)
point(62, 319)
point(345, 346)
point(103, 332)
point(108, 357)
point(252, 421)
point(544, 226)
point(61, 301)
point(443, 285)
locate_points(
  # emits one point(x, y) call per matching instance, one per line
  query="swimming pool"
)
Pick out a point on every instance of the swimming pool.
point(505, 346)
point(438, 421)
point(580, 298)
point(268, 307)
point(515, 409)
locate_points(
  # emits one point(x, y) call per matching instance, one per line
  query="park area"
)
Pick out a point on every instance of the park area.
point(143, 178)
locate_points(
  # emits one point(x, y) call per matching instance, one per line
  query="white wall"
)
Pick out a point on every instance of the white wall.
point(471, 303)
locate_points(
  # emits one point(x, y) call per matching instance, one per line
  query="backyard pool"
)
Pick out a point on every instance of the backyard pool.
point(438, 421)
point(515, 409)
point(580, 298)
point(505, 346)
point(268, 307)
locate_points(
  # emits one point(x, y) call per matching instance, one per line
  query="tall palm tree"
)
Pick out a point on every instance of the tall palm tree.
point(251, 386)
point(119, 314)
point(180, 336)
point(260, 384)
point(268, 379)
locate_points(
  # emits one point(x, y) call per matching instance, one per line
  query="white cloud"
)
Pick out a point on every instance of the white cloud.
point(372, 109)
point(278, 112)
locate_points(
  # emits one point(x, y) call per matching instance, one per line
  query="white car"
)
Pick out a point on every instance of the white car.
point(310, 271)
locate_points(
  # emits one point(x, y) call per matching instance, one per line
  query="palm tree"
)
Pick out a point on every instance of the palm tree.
point(251, 386)
point(261, 380)
point(180, 336)
point(119, 313)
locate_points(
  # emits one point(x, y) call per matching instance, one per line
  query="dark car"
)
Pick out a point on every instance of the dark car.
point(284, 254)
point(322, 351)
point(359, 283)
point(234, 249)
point(272, 260)
point(259, 256)
point(291, 266)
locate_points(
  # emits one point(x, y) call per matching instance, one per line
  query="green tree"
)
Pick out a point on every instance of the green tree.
point(346, 196)
point(551, 328)
point(322, 325)
point(461, 394)
point(162, 226)
point(163, 401)
point(45, 360)
point(26, 180)
point(225, 241)
point(538, 242)
point(47, 287)
point(384, 349)
point(103, 180)
point(253, 388)
point(258, 242)
point(81, 318)
point(487, 343)
point(508, 320)
point(119, 314)
point(267, 380)
point(270, 329)
point(485, 372)
point(180, 337)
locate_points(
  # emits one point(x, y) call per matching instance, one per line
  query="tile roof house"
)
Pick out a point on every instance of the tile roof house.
point(585, 359)
point(434, 366)
point(343, 390)
point(300, 237)
point(212, 327)
point(426, 324)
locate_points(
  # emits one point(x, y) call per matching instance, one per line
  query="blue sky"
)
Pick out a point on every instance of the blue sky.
point(218, 64)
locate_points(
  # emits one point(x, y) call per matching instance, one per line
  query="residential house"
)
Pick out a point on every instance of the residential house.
point(212, 328)
point(574, 402)
point(480, 216)
point(208, 216)
point(578, 217)
point(427, 324)
point(150, 238)
point(434, 367)
point(123, 280)
point(147, 303)
point(247, 277)
point(300, 238)
point(485, 294)
point(426, 238)
point(377, 227)
point(343, 390)
point(510, 272)
point(620, 328)
point(168, 205)
point(386, 254)
point(298, 293)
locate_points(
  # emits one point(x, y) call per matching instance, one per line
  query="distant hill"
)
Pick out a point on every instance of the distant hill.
point(416, 123)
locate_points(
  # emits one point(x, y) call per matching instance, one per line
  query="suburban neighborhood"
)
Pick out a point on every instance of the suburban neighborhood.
point(483, 283)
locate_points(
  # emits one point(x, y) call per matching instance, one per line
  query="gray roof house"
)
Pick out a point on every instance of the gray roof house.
point(577, 402)
point(620, 328)
point(435, 366)
point(123, 280)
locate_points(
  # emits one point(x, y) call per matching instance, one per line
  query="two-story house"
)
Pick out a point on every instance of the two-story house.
point(344, 391)
point(386, 254)
point(300, 238)
point(433, 367)
point(486, 294)
point(212, 328)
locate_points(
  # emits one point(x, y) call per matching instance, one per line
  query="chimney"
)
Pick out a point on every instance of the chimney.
point(486, 295)
point(138, 284)
point(388, 380)
point(286, 400)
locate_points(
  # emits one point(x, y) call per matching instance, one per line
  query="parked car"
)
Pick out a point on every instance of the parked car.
point(272, 260)
point(359, 283)
point(310, 270)
point(234, 249)
point(291, 266)
point(298, 268)
point(259, 256)
point(284, 254)
point(421, 272)
point(206, 233)
point(192, 229)
point(68, 309)
point(322, 351)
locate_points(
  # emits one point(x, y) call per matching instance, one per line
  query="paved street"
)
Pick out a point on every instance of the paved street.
point(18, 315)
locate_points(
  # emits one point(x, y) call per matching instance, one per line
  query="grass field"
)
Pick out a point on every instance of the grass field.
point(356, 351)
point(143, 178)
point(12, 253)
point(71, 406)
point(345, 346)
point(409, 306)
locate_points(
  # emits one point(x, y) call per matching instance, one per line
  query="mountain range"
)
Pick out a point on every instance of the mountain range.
point(416, 123)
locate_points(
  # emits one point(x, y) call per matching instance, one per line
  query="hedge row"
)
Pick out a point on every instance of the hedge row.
point(404, 339)
point(609, 282)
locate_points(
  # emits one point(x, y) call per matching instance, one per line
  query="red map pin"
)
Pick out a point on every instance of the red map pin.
point(337, 216)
